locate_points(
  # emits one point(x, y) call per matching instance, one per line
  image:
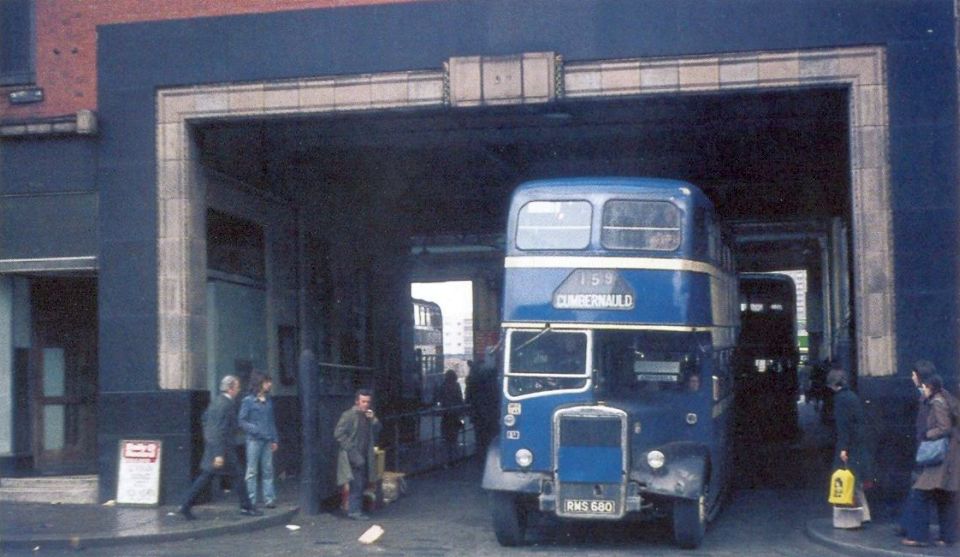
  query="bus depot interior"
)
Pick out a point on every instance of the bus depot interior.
point(325, 221)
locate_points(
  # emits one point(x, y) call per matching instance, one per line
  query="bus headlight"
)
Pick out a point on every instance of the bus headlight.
point(524, 458)
point(656, 460)
point(509, 420)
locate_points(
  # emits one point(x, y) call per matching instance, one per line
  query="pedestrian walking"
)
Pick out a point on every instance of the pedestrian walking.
point(450, 401)
point(356, 433)
point(219, 454)
point(259, 423)
point(937, 485)
point(921, 372)
point(851, 448)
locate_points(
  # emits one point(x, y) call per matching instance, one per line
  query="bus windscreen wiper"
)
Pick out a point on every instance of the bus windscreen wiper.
point(545, 330)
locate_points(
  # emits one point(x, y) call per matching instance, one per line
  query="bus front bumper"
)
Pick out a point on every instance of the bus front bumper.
point(591, 501)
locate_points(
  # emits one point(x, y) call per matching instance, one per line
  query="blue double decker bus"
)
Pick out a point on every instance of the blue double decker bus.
point(619, 322)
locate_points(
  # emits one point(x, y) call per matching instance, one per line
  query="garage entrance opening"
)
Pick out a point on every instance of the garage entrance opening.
point(352, 195)
point(443, 333)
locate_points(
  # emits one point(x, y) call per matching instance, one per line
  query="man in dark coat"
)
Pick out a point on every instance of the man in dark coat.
point(484, 404)
point(851, 448)
point(219, 453)
point(450, 400)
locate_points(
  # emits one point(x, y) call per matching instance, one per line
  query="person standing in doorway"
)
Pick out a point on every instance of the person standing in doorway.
point(219, 456)
point(258, 421)
point(356, 433)
point(851, 447)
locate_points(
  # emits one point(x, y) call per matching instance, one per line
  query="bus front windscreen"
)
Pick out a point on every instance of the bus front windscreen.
point(646, 361)
point(546, 360)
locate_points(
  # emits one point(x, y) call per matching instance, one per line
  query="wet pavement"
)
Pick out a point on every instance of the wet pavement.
point(40, 526)
point(872, 539)
point(774, 511)
point(444, 513)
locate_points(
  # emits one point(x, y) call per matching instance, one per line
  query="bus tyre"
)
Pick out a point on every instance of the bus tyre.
point(509, 518)
point(689, 522)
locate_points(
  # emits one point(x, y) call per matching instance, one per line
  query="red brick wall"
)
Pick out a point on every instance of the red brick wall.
point(66, 47)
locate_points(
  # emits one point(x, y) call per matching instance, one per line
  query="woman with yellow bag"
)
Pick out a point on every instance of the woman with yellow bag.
point(851, 450)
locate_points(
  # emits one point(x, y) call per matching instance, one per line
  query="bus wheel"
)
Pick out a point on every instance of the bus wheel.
point(689, 521)
point(509, 518)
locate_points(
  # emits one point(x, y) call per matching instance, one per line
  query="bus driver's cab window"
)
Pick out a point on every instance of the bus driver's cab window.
point(546, 360)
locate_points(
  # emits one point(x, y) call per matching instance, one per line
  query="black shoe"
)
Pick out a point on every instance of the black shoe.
point(251, 511)
point(185, 513)
point(271, 505)
point(357, 516)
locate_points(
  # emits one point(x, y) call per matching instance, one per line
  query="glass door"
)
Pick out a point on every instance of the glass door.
point(65, 375)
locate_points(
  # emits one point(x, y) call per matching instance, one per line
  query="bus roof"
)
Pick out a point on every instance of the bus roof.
point(766, 282)
point(611, 184)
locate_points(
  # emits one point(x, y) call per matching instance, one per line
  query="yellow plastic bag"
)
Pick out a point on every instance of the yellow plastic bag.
point(841, 487)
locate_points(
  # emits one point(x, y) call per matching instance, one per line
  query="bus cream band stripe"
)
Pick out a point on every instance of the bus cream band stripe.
point(723, 336)
point(557, 325)
point(576, 262)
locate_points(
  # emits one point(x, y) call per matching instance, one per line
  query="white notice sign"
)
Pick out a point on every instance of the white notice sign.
point(138, 480)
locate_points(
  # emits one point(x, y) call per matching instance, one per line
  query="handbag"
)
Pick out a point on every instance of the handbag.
point(932, 452)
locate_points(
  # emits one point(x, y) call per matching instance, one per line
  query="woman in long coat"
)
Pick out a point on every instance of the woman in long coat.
point(938, 484)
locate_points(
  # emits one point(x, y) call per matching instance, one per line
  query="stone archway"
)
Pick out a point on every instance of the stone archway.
point(525, 78)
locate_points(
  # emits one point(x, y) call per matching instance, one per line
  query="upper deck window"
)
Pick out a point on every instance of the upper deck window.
point(640, 225)
point(554, 225)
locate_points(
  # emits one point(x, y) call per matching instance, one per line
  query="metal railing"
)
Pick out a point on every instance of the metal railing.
point(414, 441)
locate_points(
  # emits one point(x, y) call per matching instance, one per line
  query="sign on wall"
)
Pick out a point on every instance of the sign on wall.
point(138, 480)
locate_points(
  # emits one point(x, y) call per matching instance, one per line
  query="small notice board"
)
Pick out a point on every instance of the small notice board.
point(138, 481)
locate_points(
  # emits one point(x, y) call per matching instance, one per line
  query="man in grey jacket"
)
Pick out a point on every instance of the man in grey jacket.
point(356, 432)
point(219, 454)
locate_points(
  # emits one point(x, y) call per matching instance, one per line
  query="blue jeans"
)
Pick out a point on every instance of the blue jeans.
point(259, 456)
point(916, 516)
